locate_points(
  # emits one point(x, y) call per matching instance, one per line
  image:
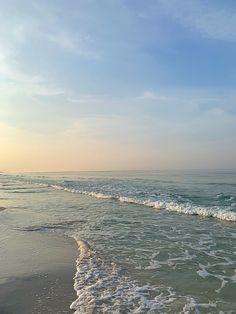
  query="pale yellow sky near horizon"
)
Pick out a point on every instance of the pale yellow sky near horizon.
point(27, 151)
point(79, 149)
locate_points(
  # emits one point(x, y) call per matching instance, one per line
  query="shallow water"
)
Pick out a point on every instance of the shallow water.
point(149, 242)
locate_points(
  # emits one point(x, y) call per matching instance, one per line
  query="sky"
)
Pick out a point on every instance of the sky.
point(117, 85)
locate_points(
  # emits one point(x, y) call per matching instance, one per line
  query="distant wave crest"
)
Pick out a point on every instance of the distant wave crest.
point(171, 206)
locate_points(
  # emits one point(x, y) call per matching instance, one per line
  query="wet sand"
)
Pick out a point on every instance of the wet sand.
point(36, 273)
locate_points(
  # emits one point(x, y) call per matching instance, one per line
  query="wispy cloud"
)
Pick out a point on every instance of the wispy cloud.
point(16, 80)
point(89, 99)
point(80, 44)
point(192, 101)
point(210, 19)
point(44, 23)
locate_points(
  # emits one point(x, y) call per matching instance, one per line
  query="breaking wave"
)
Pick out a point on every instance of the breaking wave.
point(101, 287)
point(171, 206)
point(226, 213)
point(188, 209)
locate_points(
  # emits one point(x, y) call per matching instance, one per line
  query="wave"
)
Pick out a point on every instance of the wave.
point(101, 287)
point(89, 193)
point(171, 206)
point(27, 191)
point(104, 287)
point(221, 184)
point(60, 225)
point(188, 209)
point(225, 197)
point(218, 212)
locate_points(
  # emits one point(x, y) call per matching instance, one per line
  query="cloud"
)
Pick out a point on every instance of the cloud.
point(16, 80)
point(79, 44)
point(149, 95)
point(89, 99)
point(43, 23)
point(189, 102)
point(210, 19)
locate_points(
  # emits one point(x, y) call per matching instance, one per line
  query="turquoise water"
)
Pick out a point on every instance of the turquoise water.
point(149, 242)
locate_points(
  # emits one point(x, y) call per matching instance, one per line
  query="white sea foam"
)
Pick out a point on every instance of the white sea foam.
point(171, 206)
point(97, 194)
point(102, 288)
point(57, 187)
point(193, 307)
point(188, 209)
point(89, 193)
point(153, 265)
point(184, 208)
point(205, 271)
point(202, 272)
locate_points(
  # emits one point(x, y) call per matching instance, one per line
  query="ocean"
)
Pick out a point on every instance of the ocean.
point(148, 241)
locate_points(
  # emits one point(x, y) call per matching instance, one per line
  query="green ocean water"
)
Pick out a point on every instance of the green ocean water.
point(149, 242)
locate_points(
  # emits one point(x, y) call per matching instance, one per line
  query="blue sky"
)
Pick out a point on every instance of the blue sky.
point(115, 84)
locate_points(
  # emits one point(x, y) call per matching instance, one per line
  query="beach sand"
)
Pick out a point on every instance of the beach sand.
point(36, 273)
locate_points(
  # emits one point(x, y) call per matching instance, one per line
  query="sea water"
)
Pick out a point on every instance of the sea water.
point(149, 242)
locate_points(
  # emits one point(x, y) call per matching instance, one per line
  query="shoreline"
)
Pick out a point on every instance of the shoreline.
point(40, 279)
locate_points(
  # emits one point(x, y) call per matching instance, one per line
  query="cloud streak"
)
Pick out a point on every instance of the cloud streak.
point(210, 19)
